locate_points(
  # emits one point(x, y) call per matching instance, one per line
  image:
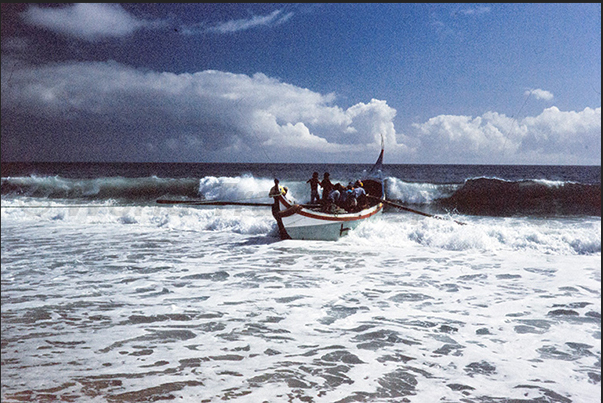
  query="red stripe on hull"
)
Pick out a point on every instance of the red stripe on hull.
point(310, 214)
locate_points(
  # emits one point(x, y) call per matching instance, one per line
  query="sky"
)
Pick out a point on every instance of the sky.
point(302, 83)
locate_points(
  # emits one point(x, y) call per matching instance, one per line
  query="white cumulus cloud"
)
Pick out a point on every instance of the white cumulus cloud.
point(87, 21)
point(539, 94)
point(552, 137)
point(95, 109)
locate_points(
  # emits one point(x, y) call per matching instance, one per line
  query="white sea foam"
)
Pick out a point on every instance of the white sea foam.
point(558, 236)
point(200, 305)
point(131, 302)
point(553, 236)
point(109, 296)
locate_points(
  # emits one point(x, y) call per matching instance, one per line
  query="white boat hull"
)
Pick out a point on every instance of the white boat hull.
point(306, 224)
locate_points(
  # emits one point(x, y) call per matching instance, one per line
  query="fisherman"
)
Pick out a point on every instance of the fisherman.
point(345, 194)
point(314, 182)
point(333, 204)
point(327, 186)
point(348, 198)
point(360, 195)
point(275, 192)
point(335, 194)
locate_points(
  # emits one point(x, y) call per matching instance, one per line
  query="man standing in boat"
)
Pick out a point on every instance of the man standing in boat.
point(314, 182)
point(327, 186)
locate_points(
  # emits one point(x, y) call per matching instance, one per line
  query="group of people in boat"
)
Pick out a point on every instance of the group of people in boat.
point(335, 197)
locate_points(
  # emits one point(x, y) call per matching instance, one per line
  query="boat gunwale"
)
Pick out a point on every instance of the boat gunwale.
point(334, 217)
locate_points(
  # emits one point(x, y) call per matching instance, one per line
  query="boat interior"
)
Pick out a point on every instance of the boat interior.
point(372, 187)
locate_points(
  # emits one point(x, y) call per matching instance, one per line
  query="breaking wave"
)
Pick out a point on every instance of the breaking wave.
point(134, 189)
point(496, 197)
point(477, 196)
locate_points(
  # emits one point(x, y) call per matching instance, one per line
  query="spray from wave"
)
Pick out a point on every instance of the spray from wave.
point(417, 193)
point(244, 187)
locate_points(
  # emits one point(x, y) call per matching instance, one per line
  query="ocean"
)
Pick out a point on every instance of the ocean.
point(108, 296)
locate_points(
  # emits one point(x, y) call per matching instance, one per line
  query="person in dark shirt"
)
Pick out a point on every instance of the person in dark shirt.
point(334, 201)
point(326, 185)
point(276, 190)
point(276, 193)
point(314, 182)
point(360, 195)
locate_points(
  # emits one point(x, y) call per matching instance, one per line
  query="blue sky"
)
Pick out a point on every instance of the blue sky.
point(439, 83)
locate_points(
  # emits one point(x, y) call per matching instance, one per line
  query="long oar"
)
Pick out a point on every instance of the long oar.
point(401, 207)
point(211, 203)
point(223, 203)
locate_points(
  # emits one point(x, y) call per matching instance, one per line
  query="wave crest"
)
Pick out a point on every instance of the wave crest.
point(496, 197)
point(147, 188)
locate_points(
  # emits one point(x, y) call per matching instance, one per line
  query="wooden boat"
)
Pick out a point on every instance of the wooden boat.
point(307, 222)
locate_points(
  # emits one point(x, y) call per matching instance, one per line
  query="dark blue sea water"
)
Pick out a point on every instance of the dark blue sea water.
point(408, 172)
point(108, 296)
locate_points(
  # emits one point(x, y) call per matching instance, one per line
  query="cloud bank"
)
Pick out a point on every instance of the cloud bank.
point(109, 111)
point(209, 115)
